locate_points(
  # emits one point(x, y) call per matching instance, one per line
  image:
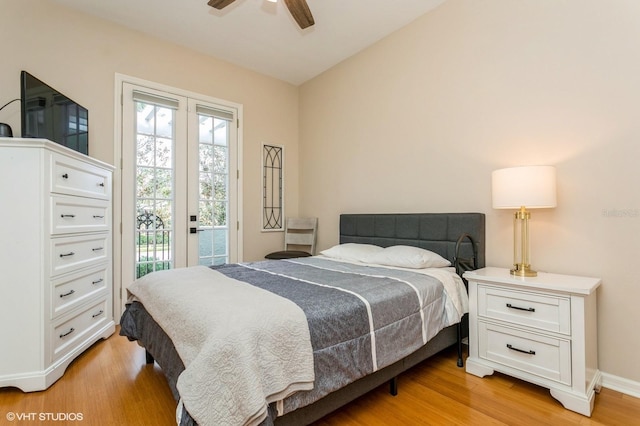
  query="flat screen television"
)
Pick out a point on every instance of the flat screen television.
point(48, 114)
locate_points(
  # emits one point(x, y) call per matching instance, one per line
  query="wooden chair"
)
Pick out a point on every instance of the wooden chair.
point(299, 238)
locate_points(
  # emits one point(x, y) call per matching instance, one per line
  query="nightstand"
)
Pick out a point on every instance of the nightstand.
point(539, 329)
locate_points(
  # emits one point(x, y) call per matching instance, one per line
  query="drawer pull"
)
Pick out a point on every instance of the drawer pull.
point(71, 330)
point(97, 281)
point(68, 294)
point(521, 350)
point(97, 249)
point(67, 254)
point(510, 306)
point(101, 184)
point(67, 215)
point(65, 176)
point(98, 314)
point(95, 216)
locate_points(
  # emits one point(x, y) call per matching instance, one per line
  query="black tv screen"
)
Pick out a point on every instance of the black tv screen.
point(48, 114)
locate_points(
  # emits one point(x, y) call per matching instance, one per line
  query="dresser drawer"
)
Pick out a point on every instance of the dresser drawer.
point(71, 253)
point(77, 214)
point(73, 290)
point(532, 353)
point(542, 311)
point(74, 177)
point(67, 335)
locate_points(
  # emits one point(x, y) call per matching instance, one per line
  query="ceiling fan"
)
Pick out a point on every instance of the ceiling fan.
point(298, 8)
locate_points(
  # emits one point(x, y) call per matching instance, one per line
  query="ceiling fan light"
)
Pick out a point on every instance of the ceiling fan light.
point(273, 1)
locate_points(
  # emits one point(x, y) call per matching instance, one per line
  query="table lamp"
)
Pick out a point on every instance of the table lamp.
point(522, 188)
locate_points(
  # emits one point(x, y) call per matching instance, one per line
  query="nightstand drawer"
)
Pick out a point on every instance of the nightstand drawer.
point(540, 355)
point(542, 311)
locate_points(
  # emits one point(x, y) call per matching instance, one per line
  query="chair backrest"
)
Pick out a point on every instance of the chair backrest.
point(300, 231)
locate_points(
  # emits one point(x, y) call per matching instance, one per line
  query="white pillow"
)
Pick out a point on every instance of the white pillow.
point(408, 257)
point(351, 251)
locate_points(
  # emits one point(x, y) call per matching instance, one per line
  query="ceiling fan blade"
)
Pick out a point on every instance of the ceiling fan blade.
point(220, 4)
point(300, 12)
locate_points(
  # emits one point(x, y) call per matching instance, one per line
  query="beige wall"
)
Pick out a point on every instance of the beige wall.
point(417, 123)
point(80, 55)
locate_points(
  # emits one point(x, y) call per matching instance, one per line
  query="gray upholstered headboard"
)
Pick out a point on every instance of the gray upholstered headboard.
point(437, 232)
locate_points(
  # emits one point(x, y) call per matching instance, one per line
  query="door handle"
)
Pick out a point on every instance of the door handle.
point(195, 230)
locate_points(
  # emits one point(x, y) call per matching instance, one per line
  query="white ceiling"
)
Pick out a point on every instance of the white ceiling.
point(262, 36)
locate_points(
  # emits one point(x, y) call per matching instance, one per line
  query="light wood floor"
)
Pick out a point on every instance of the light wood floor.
point(110, 384)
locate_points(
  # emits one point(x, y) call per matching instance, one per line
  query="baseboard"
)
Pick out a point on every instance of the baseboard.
point(620, 384)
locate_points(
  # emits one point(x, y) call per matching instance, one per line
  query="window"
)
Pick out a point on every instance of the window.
point(272, 188)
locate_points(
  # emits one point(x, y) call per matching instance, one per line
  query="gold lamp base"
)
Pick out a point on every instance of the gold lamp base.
point(521, 265)
point(523, 270)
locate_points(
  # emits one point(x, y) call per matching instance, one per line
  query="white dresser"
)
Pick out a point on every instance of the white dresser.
point(541, 329)
point(55, 259)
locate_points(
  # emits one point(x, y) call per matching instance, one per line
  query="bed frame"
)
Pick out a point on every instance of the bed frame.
point(459, 237)
point(443, 233)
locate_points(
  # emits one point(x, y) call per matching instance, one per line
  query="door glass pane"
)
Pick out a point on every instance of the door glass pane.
point(214, 189)
point(154, 188)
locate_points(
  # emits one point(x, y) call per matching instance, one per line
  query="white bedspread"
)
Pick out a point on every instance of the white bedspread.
point(250, 349)
point(455, 289)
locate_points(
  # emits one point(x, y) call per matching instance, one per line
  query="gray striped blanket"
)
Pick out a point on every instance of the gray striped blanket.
point(361, 318)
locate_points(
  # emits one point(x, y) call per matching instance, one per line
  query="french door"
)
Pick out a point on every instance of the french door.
point(180, 180)
point(212, 185)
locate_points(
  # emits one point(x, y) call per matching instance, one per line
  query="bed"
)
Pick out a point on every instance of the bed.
point(456, 237)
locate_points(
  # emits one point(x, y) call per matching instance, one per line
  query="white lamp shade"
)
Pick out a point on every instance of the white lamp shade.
point(528, 186)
